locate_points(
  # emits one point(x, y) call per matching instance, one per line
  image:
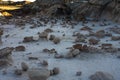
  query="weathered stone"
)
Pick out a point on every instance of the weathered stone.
point(44, 63)
point(38, 74)
point(52, 37)
point(20, 48)
point(43, 35)
point(106, 46)
point(56, 40)
point(24, 66)
point(28, 39)
point(101, 76)
point(86, 28)
point(56, 71)
point(100, 34)
point(5, 52)
point(48, 30)
point(93, 41)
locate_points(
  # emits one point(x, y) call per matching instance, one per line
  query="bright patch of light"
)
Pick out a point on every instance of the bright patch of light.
point(19, 0)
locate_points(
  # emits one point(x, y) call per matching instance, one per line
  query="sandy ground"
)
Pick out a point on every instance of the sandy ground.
point(87, 63)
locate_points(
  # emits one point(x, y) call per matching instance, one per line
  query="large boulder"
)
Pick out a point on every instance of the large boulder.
point(101, 76)
point(38, 74)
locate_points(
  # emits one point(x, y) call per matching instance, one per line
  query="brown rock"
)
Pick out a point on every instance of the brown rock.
point(106, 46)
point(86, 28)
point(93, 41)
point(100, 34)
point(20, 48)
point(77, 46)
point(28, 39)
point(5, 52)
point(56, 40)
point(48, 30)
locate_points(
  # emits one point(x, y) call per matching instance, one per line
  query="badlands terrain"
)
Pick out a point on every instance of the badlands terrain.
point(76, 49)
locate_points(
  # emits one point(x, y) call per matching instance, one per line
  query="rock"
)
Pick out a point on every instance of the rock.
point(48, 30)
point(93, 41)
point(100, 34)
point(33, 58)
point(53, 51)
point(43, 35)
point(18, 72)
point(56, 40)
point(75, 52)
point(45, 63)
point(5, 52)
point(52, 37)
point(36, 37)
point(78, 73)
point(56, 71)
point(20, 48)
point(106, 46)
point(72, 53)
point(115, 38)
point(24, 66)
point(101, 76)
point(28, 39)
point(46, 50)
point(86, 28)
point(77, 46)
point(38, 74)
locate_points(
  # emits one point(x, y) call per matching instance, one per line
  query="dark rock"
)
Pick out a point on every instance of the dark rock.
point(24, 66)
point(56, 71)
point(18, 72)
point(20, 48)
point(28, 39)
